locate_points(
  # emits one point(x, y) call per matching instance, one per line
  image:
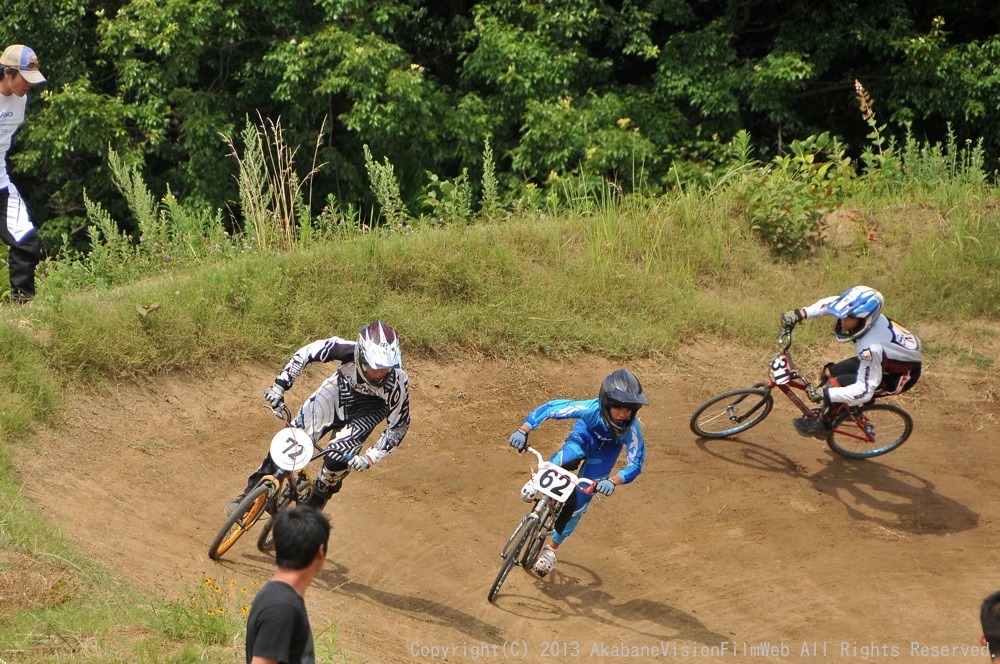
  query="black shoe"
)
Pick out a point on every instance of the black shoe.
point(321, 493)
point(233, 504)
point(811, 427)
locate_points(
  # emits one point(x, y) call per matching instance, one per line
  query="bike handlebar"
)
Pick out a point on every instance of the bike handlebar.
point(591, 484)
point(281, 412)
point(785, 338)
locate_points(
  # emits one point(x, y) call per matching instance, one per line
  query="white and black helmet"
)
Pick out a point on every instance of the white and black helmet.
point(377, 348)
point(858, 302)
point(621, 388)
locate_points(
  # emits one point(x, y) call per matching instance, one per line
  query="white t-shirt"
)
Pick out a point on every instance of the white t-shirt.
point(11, 116)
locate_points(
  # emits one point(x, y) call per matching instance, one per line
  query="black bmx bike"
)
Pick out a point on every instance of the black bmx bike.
point(856, 432)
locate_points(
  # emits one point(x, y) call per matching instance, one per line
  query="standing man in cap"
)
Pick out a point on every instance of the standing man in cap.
point(20, 73)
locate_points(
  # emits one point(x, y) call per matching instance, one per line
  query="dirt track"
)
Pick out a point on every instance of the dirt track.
point(718, 546)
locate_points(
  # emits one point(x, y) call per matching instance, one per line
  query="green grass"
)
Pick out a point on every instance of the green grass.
point(623, 277)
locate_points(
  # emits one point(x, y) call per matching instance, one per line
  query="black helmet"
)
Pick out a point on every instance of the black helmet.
point(621, 388)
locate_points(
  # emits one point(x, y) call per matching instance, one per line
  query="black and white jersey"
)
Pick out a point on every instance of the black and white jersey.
point(348, 406)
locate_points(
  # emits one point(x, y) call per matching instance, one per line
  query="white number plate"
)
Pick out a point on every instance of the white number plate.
point(781, 369)
point(291, 448)
point(555, 482)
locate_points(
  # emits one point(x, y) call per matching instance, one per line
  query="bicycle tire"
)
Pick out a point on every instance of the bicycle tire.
point(241, 520)
point(265, 541)
point(746, 407)
point(888, 421)
point(511, 553)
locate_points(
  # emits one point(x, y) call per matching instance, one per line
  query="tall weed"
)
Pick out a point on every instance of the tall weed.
point(385, 186)
point(271, 190)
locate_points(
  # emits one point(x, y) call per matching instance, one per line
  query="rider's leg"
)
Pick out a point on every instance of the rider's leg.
point(848, 367)
point(267, 467)
point(571, 513)
point(329, 481)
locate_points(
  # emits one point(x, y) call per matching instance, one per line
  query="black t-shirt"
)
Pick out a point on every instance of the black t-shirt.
point(278, 626)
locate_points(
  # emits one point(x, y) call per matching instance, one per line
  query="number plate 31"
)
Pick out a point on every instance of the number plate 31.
point(782, 370)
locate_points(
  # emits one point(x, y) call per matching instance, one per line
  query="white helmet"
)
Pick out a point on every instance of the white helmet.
point(377, 348)
point(858, 302)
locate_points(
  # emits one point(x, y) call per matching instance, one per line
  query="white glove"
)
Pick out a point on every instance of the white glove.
point(275, 395)
point(360, 462)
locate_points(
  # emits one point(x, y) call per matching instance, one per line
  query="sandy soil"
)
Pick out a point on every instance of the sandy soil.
point(768, 545)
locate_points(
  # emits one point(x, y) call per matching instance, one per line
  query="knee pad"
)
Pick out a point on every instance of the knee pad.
point(335, 464)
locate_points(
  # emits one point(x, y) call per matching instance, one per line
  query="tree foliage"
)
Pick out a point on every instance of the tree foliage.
point(583, 88)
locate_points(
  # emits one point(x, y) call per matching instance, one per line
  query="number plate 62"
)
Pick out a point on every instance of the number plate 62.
point(555, 482)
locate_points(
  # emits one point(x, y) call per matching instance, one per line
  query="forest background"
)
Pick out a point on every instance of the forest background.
point(644, 93)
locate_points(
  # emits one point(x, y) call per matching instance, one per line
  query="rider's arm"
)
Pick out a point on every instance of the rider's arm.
point(635, 446)
point(863, 388)
point(557, 409)
point(819, 308)
point(323, 350)
point(398, 420)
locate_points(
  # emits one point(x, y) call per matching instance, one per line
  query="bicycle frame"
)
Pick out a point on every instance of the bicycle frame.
point(786, 378)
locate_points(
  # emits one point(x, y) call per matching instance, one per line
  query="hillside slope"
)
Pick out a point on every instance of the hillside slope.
point(768, 538)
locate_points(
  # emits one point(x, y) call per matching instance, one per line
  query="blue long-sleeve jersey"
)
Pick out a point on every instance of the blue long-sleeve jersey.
point(591, 441)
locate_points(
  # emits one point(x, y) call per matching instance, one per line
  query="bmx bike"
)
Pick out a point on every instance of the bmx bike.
point(292, 450)
point(553, 486)
point(856, 432)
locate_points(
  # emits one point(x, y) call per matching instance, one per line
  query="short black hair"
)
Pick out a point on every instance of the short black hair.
point(989, 616)
point(298, 534)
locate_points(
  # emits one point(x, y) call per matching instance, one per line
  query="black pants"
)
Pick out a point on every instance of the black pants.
point(846, 373)
point(23, 257)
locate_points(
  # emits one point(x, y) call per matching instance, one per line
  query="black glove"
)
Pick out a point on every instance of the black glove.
point(815, 393)
point(790, 319)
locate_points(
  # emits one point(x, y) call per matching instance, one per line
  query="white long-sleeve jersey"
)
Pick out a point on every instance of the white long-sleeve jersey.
point(886, 348)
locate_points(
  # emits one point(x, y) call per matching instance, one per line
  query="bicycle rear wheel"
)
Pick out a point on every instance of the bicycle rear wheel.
point(731, 412)
point(870, 431)
point(241, 520)
point(512, 552)
point(265, 541)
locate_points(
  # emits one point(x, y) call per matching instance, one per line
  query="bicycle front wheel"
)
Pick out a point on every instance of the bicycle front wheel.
point(512, 552)
point(241, 520)
point(533, 547)
point(729, 413)
point(870, 431)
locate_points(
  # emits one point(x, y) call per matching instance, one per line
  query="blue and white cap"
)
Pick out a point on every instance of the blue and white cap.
point(23, 59)
point(858, 302)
